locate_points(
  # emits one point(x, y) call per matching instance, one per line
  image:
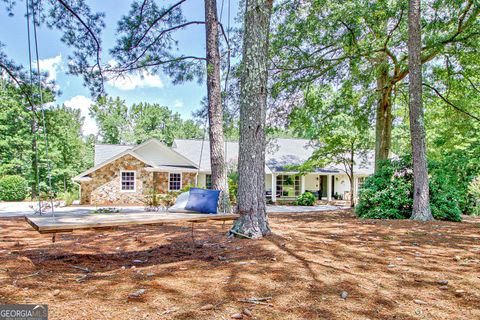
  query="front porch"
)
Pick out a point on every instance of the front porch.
point(287, 186)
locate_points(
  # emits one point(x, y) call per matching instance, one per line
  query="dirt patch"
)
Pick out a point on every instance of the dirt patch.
point(388, 270)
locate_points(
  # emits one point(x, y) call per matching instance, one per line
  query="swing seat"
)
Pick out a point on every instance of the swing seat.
point(71, 223)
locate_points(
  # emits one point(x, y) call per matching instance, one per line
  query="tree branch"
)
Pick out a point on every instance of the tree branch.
point(154, 22)
point(89, 30)
point(135, 60)
point(153, 64)
point(228, 54)
point(450, 103)
point(20, 85)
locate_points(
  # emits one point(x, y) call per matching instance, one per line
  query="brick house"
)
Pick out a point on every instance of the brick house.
point(124, 174)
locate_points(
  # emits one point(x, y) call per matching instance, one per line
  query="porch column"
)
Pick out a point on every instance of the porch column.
point(302, 184)
point(274, 187)
point(329, 187)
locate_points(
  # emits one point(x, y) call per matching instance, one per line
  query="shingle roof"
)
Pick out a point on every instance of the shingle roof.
point(280, 153)
point(103, 152)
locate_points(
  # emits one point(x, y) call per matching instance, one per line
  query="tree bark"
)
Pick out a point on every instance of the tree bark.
point(215, 112)
point(253, 220)
point(421, 197)
point(383, 124)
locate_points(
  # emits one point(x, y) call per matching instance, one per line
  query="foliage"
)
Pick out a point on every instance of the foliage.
point(111, 116)
point(119, 124)
point(388, 194)
point(337, 125)
point(474, 196)
point(306, 199)
point(69, 197)
point(13, 188)
point(153, 201)
point(80, 31)
point(233, 186)
point(106, 210)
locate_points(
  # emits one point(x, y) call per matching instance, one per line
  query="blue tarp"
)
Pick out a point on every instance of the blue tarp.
point(202, 200)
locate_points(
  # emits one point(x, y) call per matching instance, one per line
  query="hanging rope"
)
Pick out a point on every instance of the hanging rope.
point(201, 151)
point(226, 200)
point(35, 134)
point(45, 134)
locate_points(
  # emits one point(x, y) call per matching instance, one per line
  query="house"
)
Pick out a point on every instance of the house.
point(124, 174)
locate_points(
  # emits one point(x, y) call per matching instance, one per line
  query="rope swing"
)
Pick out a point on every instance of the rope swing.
point(34, 110)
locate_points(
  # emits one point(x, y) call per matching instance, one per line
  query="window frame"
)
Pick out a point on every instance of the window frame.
point(181, 178)
point(134, 180)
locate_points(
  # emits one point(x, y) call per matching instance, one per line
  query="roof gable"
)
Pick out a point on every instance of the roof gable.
point(159, 154)
point(104, 163)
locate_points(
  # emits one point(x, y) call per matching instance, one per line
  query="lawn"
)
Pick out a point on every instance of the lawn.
point(383, 270)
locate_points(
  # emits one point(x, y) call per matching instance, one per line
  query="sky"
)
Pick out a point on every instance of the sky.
point(153, 88)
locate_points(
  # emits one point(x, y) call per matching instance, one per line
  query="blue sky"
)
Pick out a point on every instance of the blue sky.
point(157, 88)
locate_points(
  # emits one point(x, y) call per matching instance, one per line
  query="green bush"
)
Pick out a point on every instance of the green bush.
point(69, 197)
point(306, 199)
point(233, 186)
point(388, 194)
point(474, 196)
point(13, 188)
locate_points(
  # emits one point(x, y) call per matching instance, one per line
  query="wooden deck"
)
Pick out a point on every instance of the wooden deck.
point(101, 221)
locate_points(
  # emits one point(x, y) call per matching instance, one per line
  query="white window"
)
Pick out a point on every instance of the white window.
point(127, 181)
point(175, 181)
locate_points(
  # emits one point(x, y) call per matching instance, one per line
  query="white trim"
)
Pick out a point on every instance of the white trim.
point(162, 145)
point(136, 155)
point(170, 169)
point(118, 156)
point(181, 182)
point(134, 181)
point(274, 187)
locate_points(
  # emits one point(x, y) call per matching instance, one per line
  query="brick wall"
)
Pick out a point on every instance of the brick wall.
point(104, 188)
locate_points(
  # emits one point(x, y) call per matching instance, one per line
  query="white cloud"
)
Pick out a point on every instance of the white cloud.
point(51, 65)
point(177, 103)
point(143, 80)
point(83, 103)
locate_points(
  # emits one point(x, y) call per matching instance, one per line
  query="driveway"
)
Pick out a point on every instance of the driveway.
point(300, 209)
point(24, 208)
point(21, 209)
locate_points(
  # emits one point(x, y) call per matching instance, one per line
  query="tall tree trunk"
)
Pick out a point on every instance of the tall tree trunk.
point(421, 197)
point(215, 112)
point(383, 124)
point(253, 221)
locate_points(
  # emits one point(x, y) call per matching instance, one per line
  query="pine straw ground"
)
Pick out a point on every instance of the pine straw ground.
point(390, 270)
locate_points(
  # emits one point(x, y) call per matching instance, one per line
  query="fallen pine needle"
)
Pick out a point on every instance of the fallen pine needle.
point(82, 268)
point(255, 300)
point(240, 234)
point(30, 275)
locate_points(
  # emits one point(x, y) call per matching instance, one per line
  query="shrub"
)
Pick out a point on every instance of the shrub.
point(13, 188)
point(233, 186)
point(69, 197)
point(388, 194)
point(474, 196)
point(306, 199)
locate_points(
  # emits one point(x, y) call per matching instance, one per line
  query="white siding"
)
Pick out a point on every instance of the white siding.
point(161, 155)
point(342, 184)
point(268, 182)
point(311, 182)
